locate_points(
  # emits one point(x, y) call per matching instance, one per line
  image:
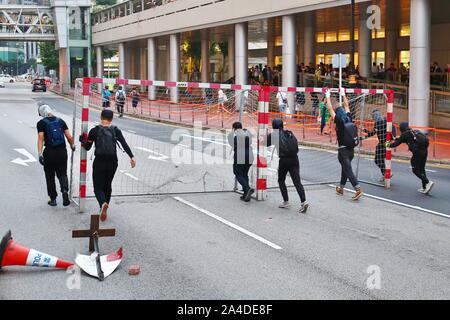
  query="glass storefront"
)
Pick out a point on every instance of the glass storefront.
point(78, 63)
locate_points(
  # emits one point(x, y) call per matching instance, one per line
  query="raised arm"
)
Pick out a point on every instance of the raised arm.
point(346, 104)
point(329, 105)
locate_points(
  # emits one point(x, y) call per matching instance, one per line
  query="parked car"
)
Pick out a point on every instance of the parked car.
point(39, 84)
point(2, 84)
point(7, 78)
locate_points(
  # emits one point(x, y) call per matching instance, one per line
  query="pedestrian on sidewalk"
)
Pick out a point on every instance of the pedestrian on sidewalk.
point(106, 95)
point(324, 115)
point(52, 133)
point(286, 145)
point(347, 136)
point(120, 101)
point(105, 136)
point(241, 142)
point(418, 144)
point(135, 98)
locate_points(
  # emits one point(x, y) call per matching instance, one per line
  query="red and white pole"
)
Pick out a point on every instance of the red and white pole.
point(263, 122)
point(389, 121)
point(84, 132)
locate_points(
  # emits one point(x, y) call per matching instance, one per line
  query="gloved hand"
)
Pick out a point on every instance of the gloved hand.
point(327, 94)
point(41, 160)
point(73, 147)
point(387, 144)
point(342, 92)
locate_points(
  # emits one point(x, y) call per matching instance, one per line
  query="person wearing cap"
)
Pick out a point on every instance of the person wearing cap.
point(346, 153)
point(418, 144)
point(287, 148)
point(52, 135)
point(105, 136)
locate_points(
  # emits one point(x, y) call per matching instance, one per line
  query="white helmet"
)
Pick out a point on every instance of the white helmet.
point(44, 110)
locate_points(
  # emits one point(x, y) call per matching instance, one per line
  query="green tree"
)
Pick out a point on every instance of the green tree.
point(105, 2)
point(49, 56)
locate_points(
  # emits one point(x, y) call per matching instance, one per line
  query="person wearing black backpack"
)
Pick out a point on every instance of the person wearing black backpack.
point(347, 137)
point(286, 145)
point(241, 142)
point(120, 101)
point(53, 132)
point(105, 136)
point(418, 144)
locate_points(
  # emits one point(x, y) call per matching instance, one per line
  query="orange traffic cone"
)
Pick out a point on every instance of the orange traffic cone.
point(13, 254)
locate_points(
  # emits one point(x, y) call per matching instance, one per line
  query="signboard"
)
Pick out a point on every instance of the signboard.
point(342, 63)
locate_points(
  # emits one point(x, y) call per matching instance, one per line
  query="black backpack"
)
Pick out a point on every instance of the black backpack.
point(106, 141)
point(54, 133)
point(121, 97)
point(288, 144)
point(350, 138)
point(420, 139)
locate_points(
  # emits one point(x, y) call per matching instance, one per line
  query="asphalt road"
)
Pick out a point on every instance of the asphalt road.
point(213, 246)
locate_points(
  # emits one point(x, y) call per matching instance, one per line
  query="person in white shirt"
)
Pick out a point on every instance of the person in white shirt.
point(282, 101)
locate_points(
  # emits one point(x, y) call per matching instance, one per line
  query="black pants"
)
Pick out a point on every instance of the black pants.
point(345, 156)
point(105, 104)
point(55, 162)
point(120, 108)
point(380, 158)
point(103, 172)
point(292, 166)
point(241, 173)
point(418, 162)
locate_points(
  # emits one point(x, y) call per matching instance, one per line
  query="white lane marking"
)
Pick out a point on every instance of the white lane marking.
point(24, 162)
point(131, 131)
point(129, 175)
point(399, 203)
point(427, 170)
point(19, 122)
point(206, 140)
point(5, 115)
point(157, 156)
point(230, 224)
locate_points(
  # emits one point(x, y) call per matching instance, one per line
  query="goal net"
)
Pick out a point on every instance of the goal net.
point(184, 147)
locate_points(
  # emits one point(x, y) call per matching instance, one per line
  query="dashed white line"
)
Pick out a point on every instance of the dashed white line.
point(230, 224)
point(131, 131)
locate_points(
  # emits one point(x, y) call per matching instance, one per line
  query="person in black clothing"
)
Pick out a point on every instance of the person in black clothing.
point(241, 142)
point(419, 157)
point(345, 153)
point(52, 132)
point(287, 149)
point(380, 130)
point(105, 136)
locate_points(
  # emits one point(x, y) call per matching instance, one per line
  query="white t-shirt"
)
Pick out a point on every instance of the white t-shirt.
point(281, 96)
point(221, 94)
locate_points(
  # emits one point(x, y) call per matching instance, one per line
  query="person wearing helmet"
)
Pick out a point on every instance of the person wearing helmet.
point(286, 145)
point(346, 152)
point(418, 144)
point(52, 135)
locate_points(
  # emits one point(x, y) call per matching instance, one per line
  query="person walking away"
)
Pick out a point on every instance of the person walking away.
point(324, 115)
point(53, 133)
point(380, 130)
point(282, 101)
point(286, 145)
point(222, 98)
point(105, 136)
point(135, 98)
point(106, 95)
point(418, 144)
point(241, 142)
point(120, 101)
point(347, 136)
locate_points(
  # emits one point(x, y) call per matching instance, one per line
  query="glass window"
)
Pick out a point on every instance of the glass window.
point(378, 33)
point(320, 58)
point(344, 35)
point(78, 20)
point(378, 57)
point(330, 36)
point(405, 30)
point(404, 57)
point(278, 41)
point(356, 34)
point(320, 37)
point(78, 63)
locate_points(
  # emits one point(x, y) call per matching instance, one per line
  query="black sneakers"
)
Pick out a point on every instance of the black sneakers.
point(66, 200)
point(52, 202)
point(248, 195)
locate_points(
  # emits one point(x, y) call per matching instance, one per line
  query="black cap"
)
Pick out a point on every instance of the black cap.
point(277, 123)
point(404, 126)
point(237, 125)
point(107, 114)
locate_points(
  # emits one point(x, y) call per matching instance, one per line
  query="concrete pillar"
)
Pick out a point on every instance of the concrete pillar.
point(99, 53)
point(241, 56)
point(300, 43)
point(151, 65)
point(122, 60)
point(270, 43)
point(310, 41)
point(392, 33)
point(231, 56)
point(174, 40)
point(364, 42)
point(290, 58)
point(205, 56)
point(64, 70)
point(419, 75)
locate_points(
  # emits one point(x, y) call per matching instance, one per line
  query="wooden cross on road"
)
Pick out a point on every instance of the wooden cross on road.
point(93, 232)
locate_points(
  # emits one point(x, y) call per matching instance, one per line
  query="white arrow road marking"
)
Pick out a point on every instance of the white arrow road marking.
point(129, 175)
point(23, 162)
point(131, 131)
point(206, 140)
point(157, 156)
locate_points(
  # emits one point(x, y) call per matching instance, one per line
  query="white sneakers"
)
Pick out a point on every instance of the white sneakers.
point(427, 189)
point(303, 208)
point(284, 205)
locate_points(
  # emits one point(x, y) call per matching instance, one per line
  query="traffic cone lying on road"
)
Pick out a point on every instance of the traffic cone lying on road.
point(13, 254)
